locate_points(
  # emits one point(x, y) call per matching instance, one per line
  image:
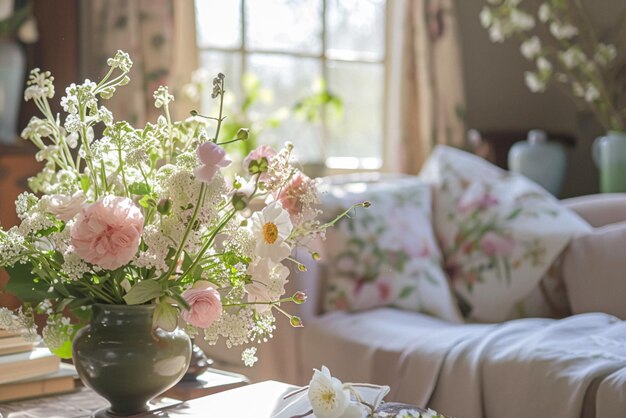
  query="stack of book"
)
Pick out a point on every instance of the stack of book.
point(27, 370)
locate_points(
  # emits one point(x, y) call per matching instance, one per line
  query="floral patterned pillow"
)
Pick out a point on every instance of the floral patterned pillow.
point(385, 255)
point(499, 232)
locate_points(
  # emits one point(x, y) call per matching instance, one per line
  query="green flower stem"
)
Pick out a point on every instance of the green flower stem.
point(88, 154)
point(208, 244)
point(183, 241)
point(221, 111)
point(121, 167)
point(105, 78)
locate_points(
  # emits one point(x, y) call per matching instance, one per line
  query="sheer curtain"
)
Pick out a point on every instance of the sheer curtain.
point(433, 98)
point(160, 36)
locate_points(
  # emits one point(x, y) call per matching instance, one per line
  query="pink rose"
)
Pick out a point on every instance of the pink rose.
point(205, 306)
point(296, 197)
point(212, 157)
point(263, 151)
point(476, 197)
point(107, 233)
point(494, 244)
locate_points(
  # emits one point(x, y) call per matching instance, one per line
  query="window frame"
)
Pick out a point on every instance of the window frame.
point(389, 135)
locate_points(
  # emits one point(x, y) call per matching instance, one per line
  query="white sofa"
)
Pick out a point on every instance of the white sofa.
point(573, 367)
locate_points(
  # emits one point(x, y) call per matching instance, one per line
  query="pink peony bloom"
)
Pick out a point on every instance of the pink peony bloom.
point(107, 233)
point(212, 158)
point(494, 244)
point(205, 306)
point(297, 196)
point(258, 153)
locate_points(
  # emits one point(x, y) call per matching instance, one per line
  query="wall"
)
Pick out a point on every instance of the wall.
point(497, 98)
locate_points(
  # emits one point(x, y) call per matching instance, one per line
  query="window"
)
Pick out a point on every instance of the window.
point(292, 44)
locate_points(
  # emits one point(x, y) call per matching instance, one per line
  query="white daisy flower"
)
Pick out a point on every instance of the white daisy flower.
point(270, 228)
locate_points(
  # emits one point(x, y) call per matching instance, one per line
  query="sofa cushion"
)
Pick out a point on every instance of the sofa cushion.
point(499, 232)
point(594, 267)
point(385, 255)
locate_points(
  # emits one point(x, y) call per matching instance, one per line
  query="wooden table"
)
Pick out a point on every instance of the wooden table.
point(84, 402)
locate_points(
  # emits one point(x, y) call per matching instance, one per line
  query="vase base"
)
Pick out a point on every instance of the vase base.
point(153, 406)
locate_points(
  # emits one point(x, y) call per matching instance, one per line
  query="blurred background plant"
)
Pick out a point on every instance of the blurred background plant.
point(567, 52)
point(318, 103)
point(16, 19)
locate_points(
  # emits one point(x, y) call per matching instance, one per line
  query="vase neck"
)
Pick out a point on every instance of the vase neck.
point(113, 317)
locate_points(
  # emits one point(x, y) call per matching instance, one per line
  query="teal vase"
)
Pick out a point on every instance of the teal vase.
point(123, 359)
point(609, 154)
point(538, 159)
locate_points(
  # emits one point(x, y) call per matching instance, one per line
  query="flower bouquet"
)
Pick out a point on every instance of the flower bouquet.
point(143, 217)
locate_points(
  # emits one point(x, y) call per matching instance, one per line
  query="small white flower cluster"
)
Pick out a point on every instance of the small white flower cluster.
point(40, 85)
point(18, 322)
point(573, 57)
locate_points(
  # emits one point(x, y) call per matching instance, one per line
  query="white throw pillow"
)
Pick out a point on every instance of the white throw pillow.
point(499, 232)
point(385, 255)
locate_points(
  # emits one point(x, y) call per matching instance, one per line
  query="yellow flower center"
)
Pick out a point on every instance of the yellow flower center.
point(270, 232)
point(328, 397)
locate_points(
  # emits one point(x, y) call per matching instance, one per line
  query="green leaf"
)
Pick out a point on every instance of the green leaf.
point(26, 286)
point(165, 316)
point(404, 293)
point(85, 183)
point(143, 292)
point(139, 188)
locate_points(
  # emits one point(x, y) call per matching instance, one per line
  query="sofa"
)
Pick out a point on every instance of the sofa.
point(574, 366)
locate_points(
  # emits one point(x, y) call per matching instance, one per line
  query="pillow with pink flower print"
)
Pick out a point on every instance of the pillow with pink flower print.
point(499, 232)
point(385, 255)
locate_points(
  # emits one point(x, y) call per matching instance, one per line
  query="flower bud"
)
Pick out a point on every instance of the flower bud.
point(194, 113)
point(296, 322)
point(315, 256)
point(243, 134)
point(299, 297)
point(367, 204)
point(240, 201)
point(164, 206)
point(301, 267)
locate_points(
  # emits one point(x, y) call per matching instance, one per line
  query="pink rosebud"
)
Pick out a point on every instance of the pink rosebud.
point(263, 151)
point(107, 233)
point(212, 158)
point(205, 306)
point(494, 244)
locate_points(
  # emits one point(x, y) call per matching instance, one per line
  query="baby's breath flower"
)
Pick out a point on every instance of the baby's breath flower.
point(162, 97)
point(40, 85)
point(121, 60)
point(249, 356)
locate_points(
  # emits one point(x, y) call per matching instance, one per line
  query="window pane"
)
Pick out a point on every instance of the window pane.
point(356, 29)
point(228, 63)
point(218, 23)
point(284, 25)
point(290, 79)
point(359, 133)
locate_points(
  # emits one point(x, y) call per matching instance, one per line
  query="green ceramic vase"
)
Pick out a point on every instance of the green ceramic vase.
point(125, 361)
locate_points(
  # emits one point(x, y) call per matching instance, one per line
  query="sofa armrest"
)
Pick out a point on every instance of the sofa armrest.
point(599, 209)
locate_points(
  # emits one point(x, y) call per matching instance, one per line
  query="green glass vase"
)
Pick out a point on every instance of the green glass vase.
point(609, 154)
point(123, 359)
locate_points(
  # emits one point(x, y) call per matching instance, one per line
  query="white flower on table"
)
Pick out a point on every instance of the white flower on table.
point(329, 398)
point(270, 228)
